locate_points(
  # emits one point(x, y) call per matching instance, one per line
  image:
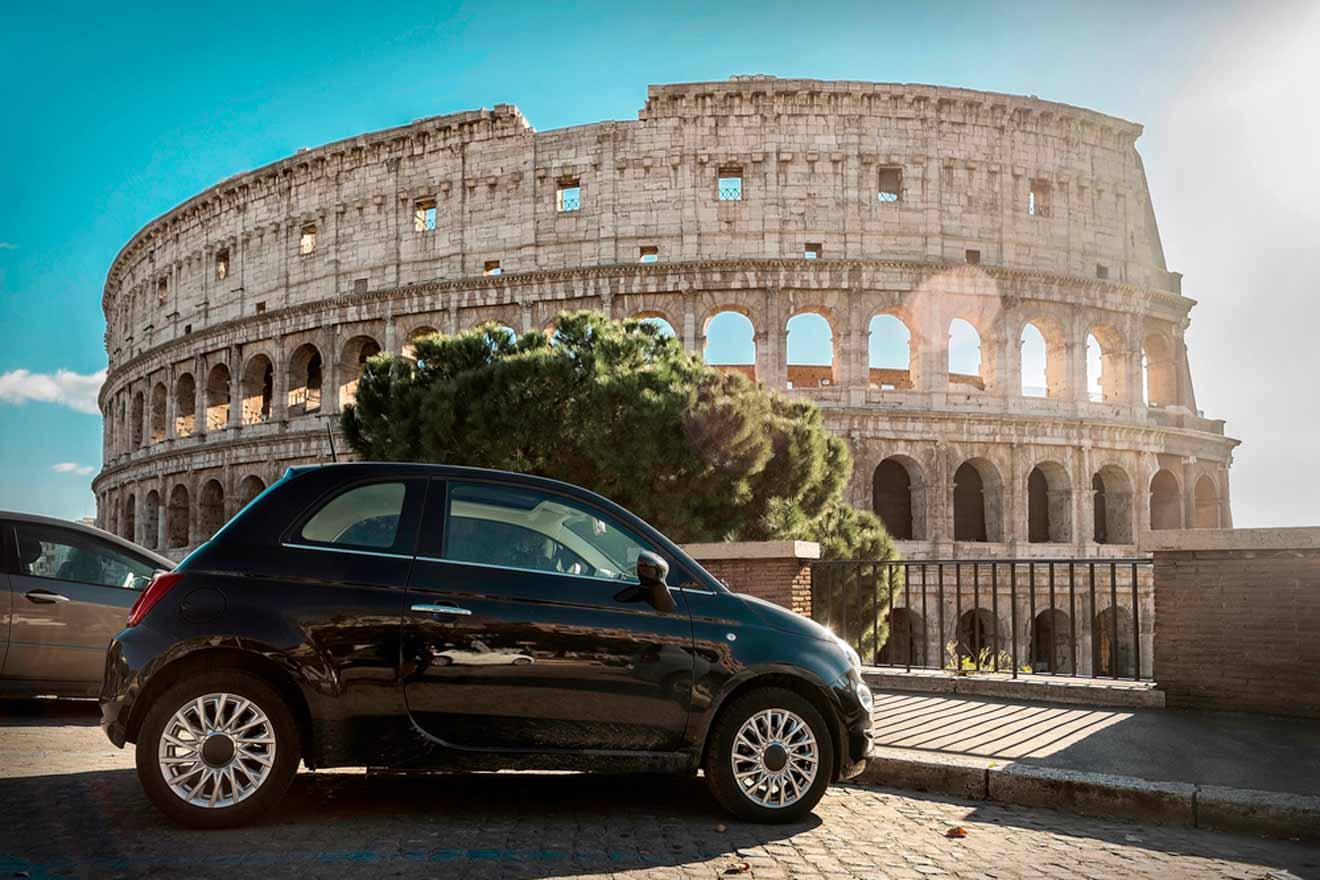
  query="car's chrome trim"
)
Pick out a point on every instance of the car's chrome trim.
point(293, 546)
point(440, 609)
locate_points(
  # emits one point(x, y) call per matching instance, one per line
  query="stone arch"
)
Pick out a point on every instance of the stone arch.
point(1051, 642)
point(976, 633)
point(1206, 502)
point(1049, 504)
point(176, 517)
point(803, 360)
point(218, 383)
point(906, 642)
point(1106, 371)
point(659, 320)
point(890, 353)
point(130, 517)
point(249, 488)
point(158, 401)
point(352, 360)
point(977, 501)
point(151, 520)
point(135, 435)
point(409, 349)
point(258, 389)
point(185, 405)
point(1159, 377)
point(306, 374)
point(898, 497)
point(734, 335)
point(965, 361)
point(1112, 504)
point(210, 509)
point(1166, 509)
point(1042, 356)
point(1113, 651)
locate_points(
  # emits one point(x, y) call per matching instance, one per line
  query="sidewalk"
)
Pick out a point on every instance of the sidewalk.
point(1209, 769)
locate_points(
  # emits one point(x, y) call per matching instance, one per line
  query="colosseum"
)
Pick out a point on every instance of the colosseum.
point(238, 322)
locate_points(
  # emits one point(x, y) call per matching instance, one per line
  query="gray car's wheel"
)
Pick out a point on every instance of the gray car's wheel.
point(218, 749)
point(770, 757)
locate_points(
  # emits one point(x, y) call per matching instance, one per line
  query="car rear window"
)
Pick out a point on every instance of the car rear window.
point(364, 516)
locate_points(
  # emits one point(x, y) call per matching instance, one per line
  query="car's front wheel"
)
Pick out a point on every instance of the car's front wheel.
point(218, 749)
point(770, 757)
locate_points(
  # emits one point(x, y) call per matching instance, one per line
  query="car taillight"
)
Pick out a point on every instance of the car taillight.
point(161, 584)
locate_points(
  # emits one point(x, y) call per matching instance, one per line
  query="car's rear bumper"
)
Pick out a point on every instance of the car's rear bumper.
point(123, 680)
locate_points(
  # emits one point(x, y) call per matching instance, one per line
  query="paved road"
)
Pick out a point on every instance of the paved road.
point(70, 805)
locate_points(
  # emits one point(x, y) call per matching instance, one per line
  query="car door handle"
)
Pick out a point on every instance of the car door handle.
point(427, 608)
point(44, 597)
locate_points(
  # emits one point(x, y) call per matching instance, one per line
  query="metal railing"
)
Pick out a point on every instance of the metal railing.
point(1065, 617)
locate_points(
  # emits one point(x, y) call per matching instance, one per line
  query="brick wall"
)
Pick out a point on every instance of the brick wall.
point(1237, 626)
point(777, 571)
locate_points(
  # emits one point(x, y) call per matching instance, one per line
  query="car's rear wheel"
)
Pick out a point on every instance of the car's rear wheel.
point(218, 749)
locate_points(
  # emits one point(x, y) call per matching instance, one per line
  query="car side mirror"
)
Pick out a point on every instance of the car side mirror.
point(652, 571)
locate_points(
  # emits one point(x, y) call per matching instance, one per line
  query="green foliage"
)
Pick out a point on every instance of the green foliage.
point(620, 408)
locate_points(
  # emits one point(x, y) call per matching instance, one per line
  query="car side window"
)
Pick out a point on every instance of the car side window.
point(515, 527)
point(67, 555)
point(363, 516)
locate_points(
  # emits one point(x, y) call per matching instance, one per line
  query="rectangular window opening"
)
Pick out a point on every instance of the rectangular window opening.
point(187, 328)
point(973, 257)
point(492, 268)
point(568, 195)
point(307, 244)
point(261, 308)
point(890, 184)
point(359, 285)
point(811, 251)
point(163, 289)
point(730, 183)
point(649, 254)
point(222, 265)
point(1038, 199)
point(424, 215)
point(1101, 270)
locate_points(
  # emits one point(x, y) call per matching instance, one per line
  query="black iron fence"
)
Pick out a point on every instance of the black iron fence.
point(1071, 617)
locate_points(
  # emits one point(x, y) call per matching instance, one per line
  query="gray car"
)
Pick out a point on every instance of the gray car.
point(65, 590)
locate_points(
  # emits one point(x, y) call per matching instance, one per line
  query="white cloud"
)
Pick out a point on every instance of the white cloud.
point(8, 246)
point(72, 467)
point(65, 387)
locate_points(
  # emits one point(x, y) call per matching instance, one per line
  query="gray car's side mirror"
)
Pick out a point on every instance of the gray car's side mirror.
point(652, 571)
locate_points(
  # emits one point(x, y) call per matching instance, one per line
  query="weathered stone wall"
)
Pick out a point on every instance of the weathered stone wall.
point(218, 383)
point(1237, 619)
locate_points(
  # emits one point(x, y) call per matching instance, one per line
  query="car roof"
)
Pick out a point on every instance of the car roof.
point(432, 469)
point(14, 516)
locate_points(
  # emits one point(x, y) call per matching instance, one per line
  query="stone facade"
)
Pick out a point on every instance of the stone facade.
point(237, 322)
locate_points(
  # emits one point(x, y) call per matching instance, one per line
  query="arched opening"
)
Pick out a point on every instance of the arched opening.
point(217, 397)
point(249, 488)
point(114, 517)
point(964, 356)
point(810, 359)
point(135, 424)
point(210, 509)
point(1165, 501)
point(906, 644)
point(305, 369)
point(1112, 501)
point(898, 495)
point(1159, 378)
point(130, 518)
point(158, 396)
point(1112, 648)
point(176, 517)
point(1207, 503)
point(151, 520)
point(730, 344)
point(185, 405)
point(976, 502)
point(258, 388)
point(352, 362)
point(1035, 356)
point(976, 635)
point(410, 345)
point(660, 324)
point(889, 354)
point(1049, 504)
point(1051, 636)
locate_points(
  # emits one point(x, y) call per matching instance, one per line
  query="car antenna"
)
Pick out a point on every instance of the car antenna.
point(331, 437)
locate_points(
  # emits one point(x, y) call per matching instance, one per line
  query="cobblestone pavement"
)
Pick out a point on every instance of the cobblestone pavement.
point(70, 805)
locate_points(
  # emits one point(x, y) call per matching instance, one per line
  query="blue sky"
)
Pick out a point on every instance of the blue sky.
point(116, 113)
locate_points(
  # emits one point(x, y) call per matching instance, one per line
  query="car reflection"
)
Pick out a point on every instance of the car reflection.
point(478, 653)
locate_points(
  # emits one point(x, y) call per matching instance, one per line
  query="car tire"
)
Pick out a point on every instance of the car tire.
point(229, 734)
point(758, 756)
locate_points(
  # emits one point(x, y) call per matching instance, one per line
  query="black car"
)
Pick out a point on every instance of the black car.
point(436, 617)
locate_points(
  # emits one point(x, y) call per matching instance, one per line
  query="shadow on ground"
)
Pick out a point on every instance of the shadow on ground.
point(510, 825)
point(42, 713)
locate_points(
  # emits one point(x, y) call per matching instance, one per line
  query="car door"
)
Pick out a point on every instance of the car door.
point(525, 627)
point(70, 592)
